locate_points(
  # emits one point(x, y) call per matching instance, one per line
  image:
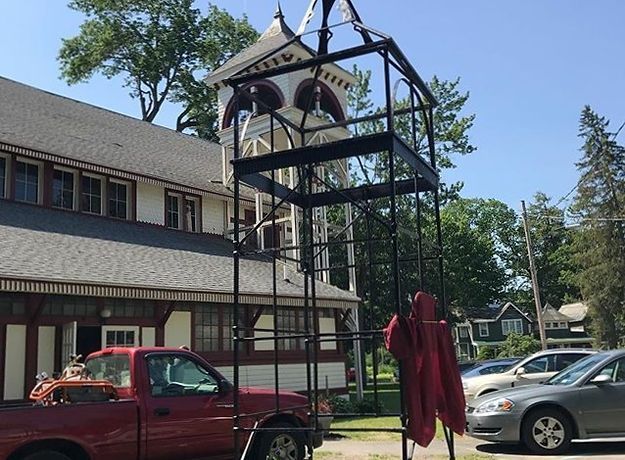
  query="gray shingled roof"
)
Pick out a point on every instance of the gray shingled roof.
point(40, 244)
point(551, 314)
point(57, 125)
point(275, 36)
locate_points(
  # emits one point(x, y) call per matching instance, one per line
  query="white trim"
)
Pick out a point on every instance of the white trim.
point(483, 333)
point(512, 321)
point(134, 329)
point(75, 196)
point(7, 174)
point(103, 192)
point(40, 184)
point(129, 204)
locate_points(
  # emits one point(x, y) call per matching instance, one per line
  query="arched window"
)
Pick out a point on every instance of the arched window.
point(265, 91)
point(324, 102)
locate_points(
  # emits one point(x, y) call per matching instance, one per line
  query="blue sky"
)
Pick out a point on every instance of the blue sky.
point(530, 66)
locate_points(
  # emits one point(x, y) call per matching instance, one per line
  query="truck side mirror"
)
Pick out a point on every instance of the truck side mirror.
point(519, 372)
point(225, 386)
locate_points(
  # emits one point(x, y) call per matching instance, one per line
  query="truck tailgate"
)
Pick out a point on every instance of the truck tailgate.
point(107, 430)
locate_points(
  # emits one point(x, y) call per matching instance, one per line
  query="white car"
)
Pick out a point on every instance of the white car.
point(533, 369)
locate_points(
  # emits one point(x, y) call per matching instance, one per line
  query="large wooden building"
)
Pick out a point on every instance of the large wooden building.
point(114, 231)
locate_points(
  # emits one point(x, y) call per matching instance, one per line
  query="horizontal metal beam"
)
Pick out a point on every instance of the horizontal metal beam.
point(369, 192)
point(320, 153)
point(266, 185)
point(424, 169)
point(312, 62)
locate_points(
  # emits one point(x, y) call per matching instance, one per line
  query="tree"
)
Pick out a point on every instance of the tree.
point(517, 345)
point(162, 48)
point(552, 242)
point(600, 244)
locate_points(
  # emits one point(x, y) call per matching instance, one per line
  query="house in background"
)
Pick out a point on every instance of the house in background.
point(491, 332)
point(116, 232)
point(566, 327)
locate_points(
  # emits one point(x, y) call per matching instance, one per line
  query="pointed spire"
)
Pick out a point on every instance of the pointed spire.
point(278, 14)
point(278, 25)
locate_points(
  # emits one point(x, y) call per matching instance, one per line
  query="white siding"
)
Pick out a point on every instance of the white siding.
point(148, 336)
point(45, 349)
point(264, 322)
point(150, 203)
point(178, 329)
point(15, 361)
point(213, 216)
point(292, 376)
point(327, 325)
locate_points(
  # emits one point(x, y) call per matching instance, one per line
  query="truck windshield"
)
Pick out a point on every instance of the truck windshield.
point(114, 368)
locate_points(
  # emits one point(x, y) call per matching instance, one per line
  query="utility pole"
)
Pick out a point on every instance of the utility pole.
point(530, 254)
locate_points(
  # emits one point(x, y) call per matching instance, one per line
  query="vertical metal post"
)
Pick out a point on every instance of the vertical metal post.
point(236, 255)
point(372, 325)
point(276, 373)
point(390, 126)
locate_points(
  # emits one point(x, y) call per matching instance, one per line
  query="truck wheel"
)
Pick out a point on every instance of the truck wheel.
point(547, 432)
point(281, 446)
point(47, 455)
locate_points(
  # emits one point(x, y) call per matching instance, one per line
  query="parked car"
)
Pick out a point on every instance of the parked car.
point(534, 369)
point(172, 404)
point(585, 401)
point(491, 366)
point(464, 365)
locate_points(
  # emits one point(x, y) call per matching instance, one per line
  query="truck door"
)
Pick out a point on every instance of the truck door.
point(187, 416)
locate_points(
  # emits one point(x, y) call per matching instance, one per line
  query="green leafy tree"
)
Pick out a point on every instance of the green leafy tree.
point(600, 243)
point(486, 353)
point(161, 48)
point(517, 345)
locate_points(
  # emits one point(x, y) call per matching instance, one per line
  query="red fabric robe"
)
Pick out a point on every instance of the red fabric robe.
point(432, 384)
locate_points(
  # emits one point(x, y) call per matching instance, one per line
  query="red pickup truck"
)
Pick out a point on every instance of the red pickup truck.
point(172, 405)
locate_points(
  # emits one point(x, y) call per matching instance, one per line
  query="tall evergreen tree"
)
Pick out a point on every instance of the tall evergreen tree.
point(600, 206)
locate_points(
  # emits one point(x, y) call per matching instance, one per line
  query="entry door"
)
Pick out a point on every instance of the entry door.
point(187, 416)
point(68, 347)
point(120, 336)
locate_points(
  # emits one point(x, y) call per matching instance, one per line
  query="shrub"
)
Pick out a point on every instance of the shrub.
point(518, 345)
point(337, 405)
point(367, 406)
point(486, 353)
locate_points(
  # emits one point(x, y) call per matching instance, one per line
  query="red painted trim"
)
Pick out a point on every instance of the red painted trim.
point(58, 347)
point(133, 201)
point(48, 179)
point(164, 317)
point(11, 195)
point(229, 112)
point(3, 346)
point(325, 91)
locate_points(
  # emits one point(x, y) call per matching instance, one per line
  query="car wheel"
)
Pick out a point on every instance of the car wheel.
point(46, 455)
point(281, 445)
point(547, 431)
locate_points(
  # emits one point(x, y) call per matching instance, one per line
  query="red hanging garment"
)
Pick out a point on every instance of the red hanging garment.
point(432, 384)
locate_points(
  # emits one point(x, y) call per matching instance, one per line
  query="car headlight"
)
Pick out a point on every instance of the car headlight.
point(495, 405)
point(465, 385)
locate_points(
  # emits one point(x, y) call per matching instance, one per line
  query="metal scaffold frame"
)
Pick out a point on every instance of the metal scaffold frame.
point(309, 190)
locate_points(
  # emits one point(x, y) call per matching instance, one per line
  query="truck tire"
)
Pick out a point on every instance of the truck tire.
point(547, 431)
point(47, 455)
point(277, 445)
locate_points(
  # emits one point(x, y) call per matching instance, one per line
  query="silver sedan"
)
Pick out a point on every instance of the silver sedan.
point(585, 401)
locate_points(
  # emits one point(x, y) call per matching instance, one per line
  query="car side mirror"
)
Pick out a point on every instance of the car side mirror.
point(601, 379)
point(225, 386)
point(519, 372)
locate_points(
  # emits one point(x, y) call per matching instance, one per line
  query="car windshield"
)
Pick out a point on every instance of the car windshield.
point(574, 372)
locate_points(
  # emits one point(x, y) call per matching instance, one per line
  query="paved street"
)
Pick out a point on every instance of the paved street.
point(466, 448)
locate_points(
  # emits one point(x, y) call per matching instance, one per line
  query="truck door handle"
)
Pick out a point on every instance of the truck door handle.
point(161, 411)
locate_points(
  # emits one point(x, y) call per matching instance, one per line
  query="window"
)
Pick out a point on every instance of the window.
point(114, 368)
point(190, 214)
point(265, 91)
point(121, 338)
point(182, 212)
point(63, 189)
point(566, 359)
point(213, 328)
point(323, 102)
point(484, 332)
point(118, 199)
point(539, 365)
point(3, 177)
point(27, 182)
point(511, 325)
point(463, 332)
point(91, 194)
point(176, 375)
point(556, 325)
point(173, 211)
point(615, 370)
point(563, 325)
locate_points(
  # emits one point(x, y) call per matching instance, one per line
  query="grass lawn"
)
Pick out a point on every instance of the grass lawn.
point(388, 395)
point(373, 422)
